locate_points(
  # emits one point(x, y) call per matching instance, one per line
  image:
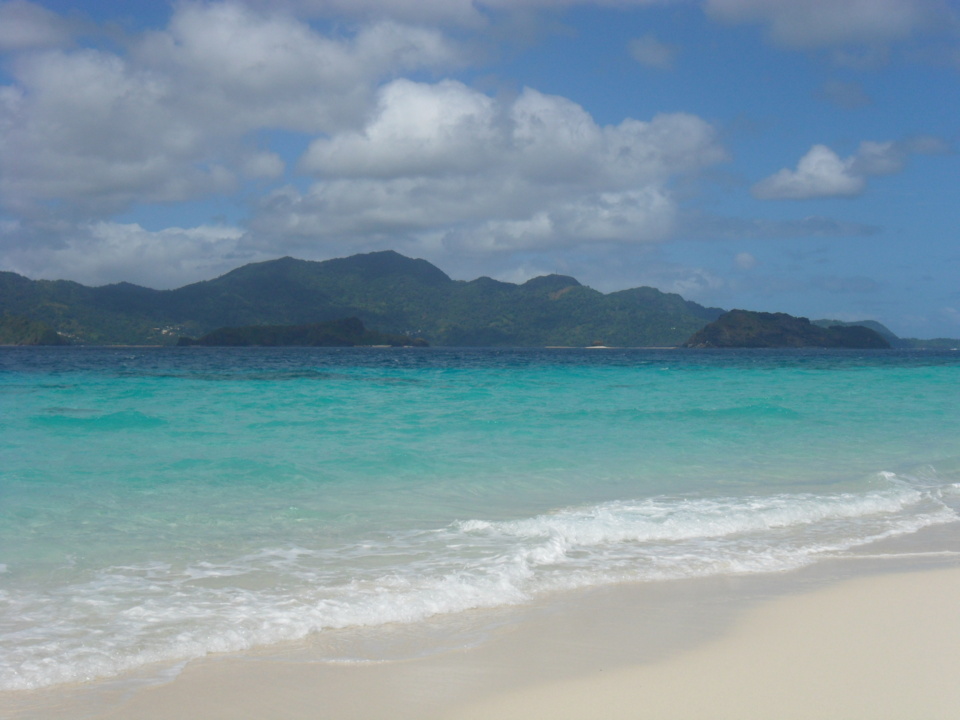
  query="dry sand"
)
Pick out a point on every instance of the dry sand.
point(878, 646)
point(873, 648)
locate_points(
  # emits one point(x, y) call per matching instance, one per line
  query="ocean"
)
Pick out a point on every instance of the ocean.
point(163, 504)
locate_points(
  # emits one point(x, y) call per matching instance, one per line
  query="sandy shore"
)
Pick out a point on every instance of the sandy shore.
point(878, 646)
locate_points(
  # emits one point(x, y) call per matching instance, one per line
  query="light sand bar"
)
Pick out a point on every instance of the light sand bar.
point(877, 646)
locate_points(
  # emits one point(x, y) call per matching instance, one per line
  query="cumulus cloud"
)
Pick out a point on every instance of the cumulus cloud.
point(417, 129)
point(822, 173)
point(821, 23)
point(444, 165)
point(254, 69)
point(112, 144)
point(651, 52)
point(28, 26)
point(166, 122)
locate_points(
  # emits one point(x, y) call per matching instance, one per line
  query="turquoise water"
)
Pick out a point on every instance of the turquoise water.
point(162, 504)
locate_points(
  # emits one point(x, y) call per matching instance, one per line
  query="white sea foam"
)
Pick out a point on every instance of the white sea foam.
point(122, 617)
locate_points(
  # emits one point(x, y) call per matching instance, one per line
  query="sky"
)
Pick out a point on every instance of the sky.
point(793, 156)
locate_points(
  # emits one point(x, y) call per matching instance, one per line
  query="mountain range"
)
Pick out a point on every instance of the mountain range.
point(388, 292)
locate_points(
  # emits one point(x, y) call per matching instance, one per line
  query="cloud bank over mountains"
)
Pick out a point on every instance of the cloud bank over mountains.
point(237, 131)
point(176, 117)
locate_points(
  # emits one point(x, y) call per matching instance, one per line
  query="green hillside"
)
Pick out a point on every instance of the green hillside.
point(387, 292)
point(18, 330)
point(348, 332)
point(746, 329)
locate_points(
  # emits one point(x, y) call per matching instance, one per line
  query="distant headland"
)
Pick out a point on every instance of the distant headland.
point(745, 329)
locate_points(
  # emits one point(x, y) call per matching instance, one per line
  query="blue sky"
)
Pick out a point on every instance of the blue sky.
point(784, 155)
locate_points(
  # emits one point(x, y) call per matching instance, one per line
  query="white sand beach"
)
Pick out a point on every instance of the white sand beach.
point(876, 646)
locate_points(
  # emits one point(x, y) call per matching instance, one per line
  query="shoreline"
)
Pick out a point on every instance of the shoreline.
point(878, 639)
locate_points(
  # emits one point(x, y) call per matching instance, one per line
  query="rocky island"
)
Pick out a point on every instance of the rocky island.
point(746, 329)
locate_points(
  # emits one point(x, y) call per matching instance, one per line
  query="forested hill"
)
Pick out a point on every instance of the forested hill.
point(747, 329)
point(388, 292)
point(348, 332)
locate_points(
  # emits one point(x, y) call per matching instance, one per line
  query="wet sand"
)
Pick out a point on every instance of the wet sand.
point(808, 646)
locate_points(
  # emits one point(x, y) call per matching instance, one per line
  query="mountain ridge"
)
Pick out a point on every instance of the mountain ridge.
point(387, 291)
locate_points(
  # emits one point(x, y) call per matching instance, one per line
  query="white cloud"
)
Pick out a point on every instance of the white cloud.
point(822, 173)
point(28, 26)
point(116, 142)
point(648, 50)
point(263, 165)
point(251, 69)
point(101, 252)
point(820, 23)
point(692, 283)
point(417, 129)
point(442, 165)
point(467, 13)
point(457, 12)
point(887, 158)
point(643, 215)
point(448, 128)
point(878, 158)
point(745, 261)
point(519, 274)
point(170, 120)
